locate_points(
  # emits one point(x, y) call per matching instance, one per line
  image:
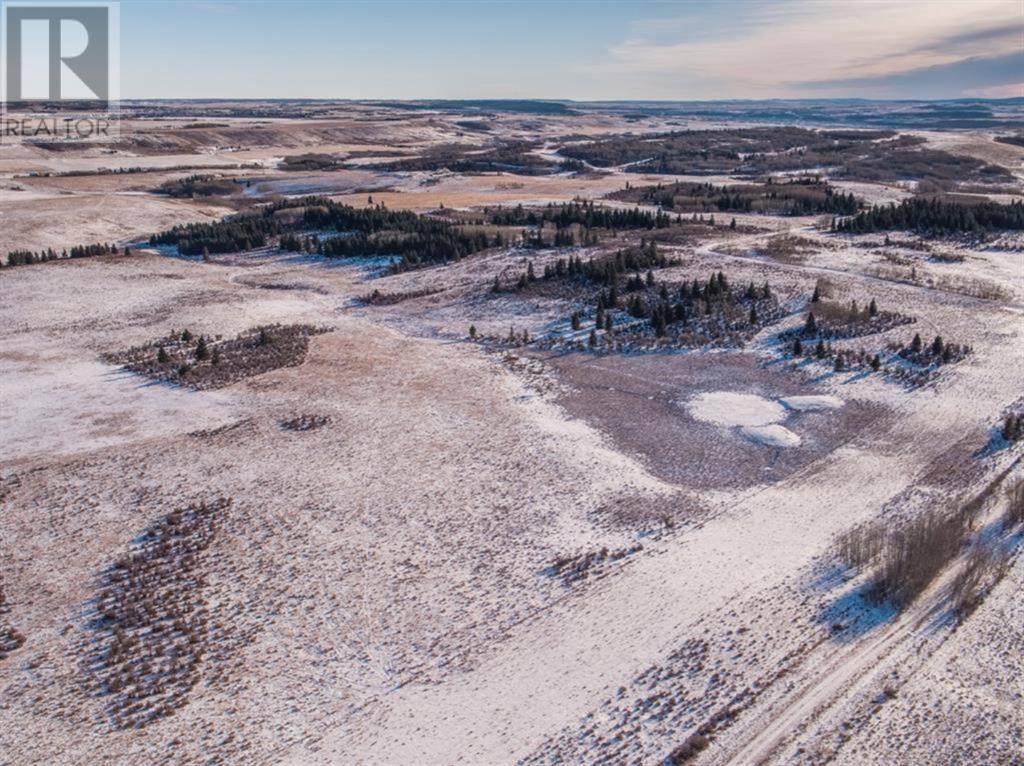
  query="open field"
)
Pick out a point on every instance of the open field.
point(284, 502)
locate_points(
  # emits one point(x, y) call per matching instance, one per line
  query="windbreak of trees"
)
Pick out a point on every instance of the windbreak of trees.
point(585, 214)
point(227, 236)
point(28, 257)
point(936, 217)
point(801, 197)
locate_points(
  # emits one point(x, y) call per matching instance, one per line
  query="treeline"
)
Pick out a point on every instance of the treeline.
point(199, 186)
point(413, 249)
point(28, 257)
point(800, 197)
point(585, 214)
point(227, 236)
point(857, 155)
point(936, 217)
point(371, 231)
point(604, 270)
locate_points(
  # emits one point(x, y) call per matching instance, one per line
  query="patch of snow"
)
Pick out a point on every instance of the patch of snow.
point(811, 403)
point(725, 408)
point(771, 436)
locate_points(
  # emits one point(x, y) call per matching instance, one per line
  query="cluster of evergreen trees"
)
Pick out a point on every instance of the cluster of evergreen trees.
point(374, 230)
point(228, 236)
point(1013, 427)
point(605, 270)
point(936, 217)
point(27, 257)
point(584, 213)
point(680, 304)
point(413, 249)
point(799, 197)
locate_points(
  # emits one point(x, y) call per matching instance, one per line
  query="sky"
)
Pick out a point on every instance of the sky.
point(582, 50)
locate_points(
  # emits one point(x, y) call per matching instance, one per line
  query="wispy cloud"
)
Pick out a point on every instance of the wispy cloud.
point(826, 46)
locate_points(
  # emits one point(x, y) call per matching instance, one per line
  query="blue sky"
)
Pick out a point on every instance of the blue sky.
point(581, 50)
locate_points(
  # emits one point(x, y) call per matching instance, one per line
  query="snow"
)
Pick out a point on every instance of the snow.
point(811, 403)
point(725, 408)
point(771, 436)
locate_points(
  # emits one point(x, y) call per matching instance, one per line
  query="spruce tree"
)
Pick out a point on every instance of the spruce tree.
point(472, 331)
point(811, 325)
point(915, 344)
point(161, 356)
point(873, 308)
point(753, 314)
point(592, 340)
point(798, 348)
point(201, 350)
point(876, 363)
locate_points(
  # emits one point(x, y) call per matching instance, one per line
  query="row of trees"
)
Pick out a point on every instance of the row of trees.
point(584, 213)
point(27, 257)
point(800, 197)
point(936, 217)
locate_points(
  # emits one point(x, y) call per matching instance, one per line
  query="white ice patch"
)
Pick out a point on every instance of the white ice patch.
point(724, 408)
point(811, 403)
point(758, 418)
point(771, 436)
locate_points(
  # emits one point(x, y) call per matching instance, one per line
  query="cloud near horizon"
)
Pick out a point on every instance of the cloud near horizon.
point(799, 48)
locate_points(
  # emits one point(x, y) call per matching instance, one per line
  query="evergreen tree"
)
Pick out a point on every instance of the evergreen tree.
point(592, 340)
point(873, 309)
point(798, 348)
point(575, 320)
point(201, 350)
point(1011, 427)
point(472, 330)
point(811, 325)
point(817, 294)
point(937, 346)
point(876, 363)
point(186, 336)
point(753, 314)
point(915, 344)
point(161, 356)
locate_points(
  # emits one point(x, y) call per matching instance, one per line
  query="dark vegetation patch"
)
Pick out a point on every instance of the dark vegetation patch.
point(511, 157)
point(152, 625)
point(201, 362)
point(311, 162)
point(581, 566)
point(28, 257)
point(804, 196)
point(902, 558)
point(200, 186)
point(305, 422)
point(416, 240)
point(860, 156)
point(10, 638)
point(933, 216)
point(378, 298)
point(634, 312)
point(1013, 140)
point(833, 320)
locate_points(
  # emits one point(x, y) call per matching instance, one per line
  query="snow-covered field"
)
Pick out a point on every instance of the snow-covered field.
point(486, 554)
